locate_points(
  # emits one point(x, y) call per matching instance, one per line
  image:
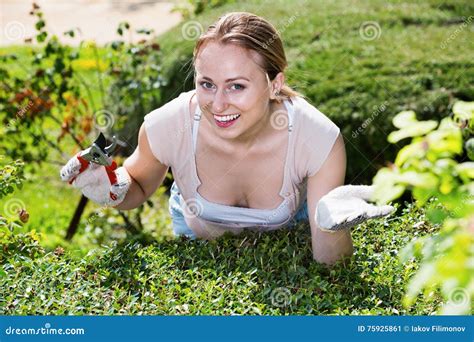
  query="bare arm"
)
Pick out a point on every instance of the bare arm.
point(147, 173)
point(328, 247)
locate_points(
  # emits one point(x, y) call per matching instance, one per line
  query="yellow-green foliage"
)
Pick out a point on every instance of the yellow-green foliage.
point(429, 168)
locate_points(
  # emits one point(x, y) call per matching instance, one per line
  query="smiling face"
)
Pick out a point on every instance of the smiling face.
point(232, 91)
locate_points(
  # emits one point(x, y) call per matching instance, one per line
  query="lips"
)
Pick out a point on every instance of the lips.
point(225, 118)
point(224, 121)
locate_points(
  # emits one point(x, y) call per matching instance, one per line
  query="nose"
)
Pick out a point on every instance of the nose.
point(219, 102)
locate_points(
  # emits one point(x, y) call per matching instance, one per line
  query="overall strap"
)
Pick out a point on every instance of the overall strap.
point(196, 120)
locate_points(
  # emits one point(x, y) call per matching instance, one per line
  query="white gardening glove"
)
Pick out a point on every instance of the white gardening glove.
point(105, 185)
point(346, 206)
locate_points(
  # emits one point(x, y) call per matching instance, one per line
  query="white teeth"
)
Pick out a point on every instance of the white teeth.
point(226, 118)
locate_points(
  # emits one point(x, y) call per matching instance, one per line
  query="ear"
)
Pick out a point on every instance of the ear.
point(277, 84)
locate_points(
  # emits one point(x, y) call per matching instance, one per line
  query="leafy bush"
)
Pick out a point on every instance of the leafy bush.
point(11, 177)
point(12, 244)
point(135, 80)
point(191, 8)
point(259, 274)
point(270, 273)
point(32, 102)
point(50, 109)
point(428, 168)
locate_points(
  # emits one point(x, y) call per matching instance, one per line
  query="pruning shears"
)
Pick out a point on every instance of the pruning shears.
point(99, 153)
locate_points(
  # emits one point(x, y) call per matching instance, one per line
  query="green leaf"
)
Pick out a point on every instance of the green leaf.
point(386, 188)
point(466, 170)
point(70, 33)
point(422, 195)
point(409, 126)
point(414, 151)
point(447, 140)
point(41, 37)
point(437, 215)
point(421, 279)
point(144, 31)
point(415, 129)
point(424, 180)
point(469, 146)
point(404, 119)
point(464, 110)
point(40, 24)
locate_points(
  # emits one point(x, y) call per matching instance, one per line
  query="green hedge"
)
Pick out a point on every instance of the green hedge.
point(271, 273)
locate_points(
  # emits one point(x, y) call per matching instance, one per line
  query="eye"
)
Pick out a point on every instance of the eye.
point(206, 85)
point(239, 86)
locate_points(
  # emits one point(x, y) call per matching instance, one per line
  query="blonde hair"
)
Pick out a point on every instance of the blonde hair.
point(253, 33)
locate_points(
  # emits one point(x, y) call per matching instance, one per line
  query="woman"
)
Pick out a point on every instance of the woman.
point(245, 150)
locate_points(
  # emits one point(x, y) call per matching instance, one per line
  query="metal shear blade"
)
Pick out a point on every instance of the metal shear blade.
point(99, 153)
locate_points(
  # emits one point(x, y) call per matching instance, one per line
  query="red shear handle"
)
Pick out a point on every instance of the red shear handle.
point(84, 165)
point(112, 177)
point(111, 172)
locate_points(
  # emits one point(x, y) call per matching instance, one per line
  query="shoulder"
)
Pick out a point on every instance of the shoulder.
point(166, 128)
point(171, 111)
point(316, 136)
point(310, 119)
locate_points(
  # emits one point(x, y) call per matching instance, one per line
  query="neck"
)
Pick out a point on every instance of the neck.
point(258, 131)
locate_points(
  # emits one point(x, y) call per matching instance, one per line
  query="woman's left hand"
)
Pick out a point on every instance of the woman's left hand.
point(346, 206)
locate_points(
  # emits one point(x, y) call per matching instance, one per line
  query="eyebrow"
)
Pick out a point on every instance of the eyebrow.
point(227, 80)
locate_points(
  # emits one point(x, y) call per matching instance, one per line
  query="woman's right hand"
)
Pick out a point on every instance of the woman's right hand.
point(105, 185)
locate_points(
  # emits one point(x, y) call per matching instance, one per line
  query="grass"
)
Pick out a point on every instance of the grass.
point(51, 204)
point(270, 273)
point(347, 78)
